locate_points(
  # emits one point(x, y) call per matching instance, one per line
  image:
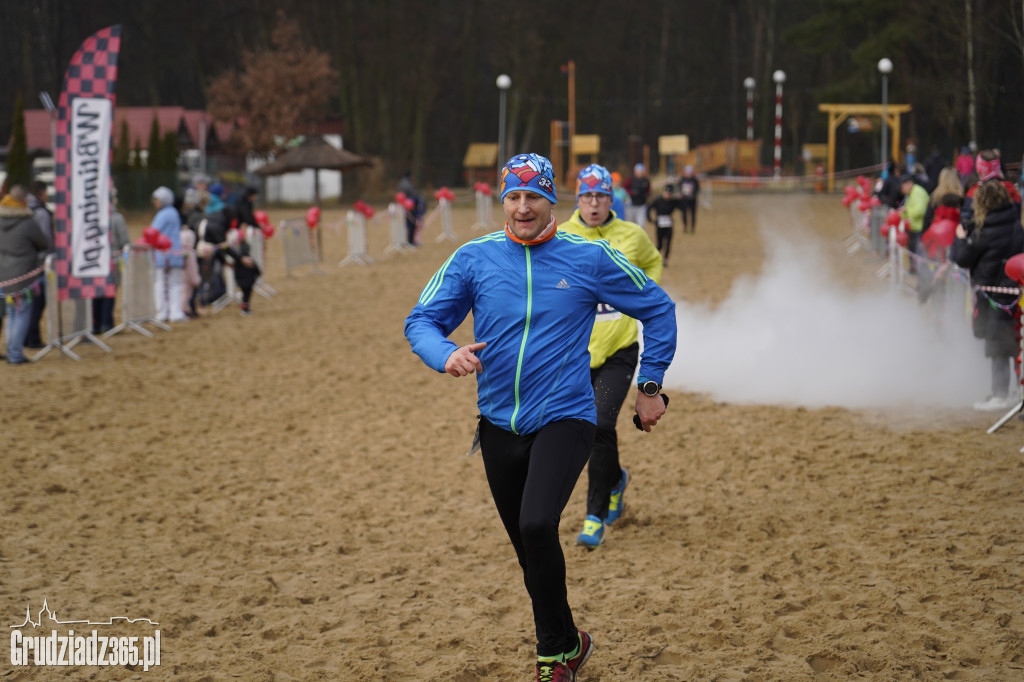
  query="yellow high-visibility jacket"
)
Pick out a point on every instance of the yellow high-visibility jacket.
point(612, 329)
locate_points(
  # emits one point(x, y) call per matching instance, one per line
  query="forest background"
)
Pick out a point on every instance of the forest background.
point(414, 81)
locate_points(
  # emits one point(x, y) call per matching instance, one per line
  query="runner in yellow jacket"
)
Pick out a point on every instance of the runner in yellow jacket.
point(613, 347)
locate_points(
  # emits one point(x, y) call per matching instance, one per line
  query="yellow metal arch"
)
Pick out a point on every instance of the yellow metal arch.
point(837, 113)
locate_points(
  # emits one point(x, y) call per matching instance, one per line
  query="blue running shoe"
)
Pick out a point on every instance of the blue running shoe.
point(615, 503)
point(592, 533)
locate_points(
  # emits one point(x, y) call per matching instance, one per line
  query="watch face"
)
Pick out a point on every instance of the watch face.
point(650, 388)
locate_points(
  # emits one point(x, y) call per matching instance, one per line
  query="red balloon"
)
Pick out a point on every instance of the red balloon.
point(267, 230)
point(848, 199)
point(875, 201)
point(163, 242)
point(1015, 268)
point(262, 219)
point(313, 217)
point(409, 204)
point(141, 241)
point(902, 238)
point(942, 232)
point(400, 198)
point(150, 235)
point(850, 190)
point(864, 204)
point(893, 218)
point(367, 211)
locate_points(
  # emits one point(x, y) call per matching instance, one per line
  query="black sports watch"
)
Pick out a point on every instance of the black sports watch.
point(650, 388)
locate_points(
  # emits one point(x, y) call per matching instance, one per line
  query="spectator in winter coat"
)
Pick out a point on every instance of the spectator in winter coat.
point(23, 244)
point(169, 280)
point(995, 237)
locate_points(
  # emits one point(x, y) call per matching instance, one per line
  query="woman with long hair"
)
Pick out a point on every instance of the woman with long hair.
point(996, 236)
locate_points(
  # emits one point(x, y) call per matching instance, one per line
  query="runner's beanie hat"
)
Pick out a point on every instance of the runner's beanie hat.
point(594, 178)
point(530, 172)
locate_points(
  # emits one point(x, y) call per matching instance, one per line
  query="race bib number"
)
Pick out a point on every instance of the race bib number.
point(687, 190)
point(664, 221)
point(605, 313)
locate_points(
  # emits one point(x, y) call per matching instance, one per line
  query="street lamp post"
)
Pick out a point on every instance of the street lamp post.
point(749, 84)
point(504, 83)
point(885, 68)
point(779, 77)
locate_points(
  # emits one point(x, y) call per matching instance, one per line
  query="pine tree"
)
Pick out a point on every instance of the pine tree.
point(154, 160)
point(123, 150)
point(19, 168)
point(169, 152)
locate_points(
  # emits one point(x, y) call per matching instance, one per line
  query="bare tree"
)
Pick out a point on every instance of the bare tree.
point(280, 92)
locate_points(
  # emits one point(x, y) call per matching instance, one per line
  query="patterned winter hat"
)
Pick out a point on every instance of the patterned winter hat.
point(531, 172)
point(594, 178)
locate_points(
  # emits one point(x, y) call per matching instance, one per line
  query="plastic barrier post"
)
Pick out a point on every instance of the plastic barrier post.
point(356, 223)
point(484, 206)
point(396, 220)
point(447, 232)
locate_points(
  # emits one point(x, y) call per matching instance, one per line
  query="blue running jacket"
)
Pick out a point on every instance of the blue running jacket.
point(534, 306)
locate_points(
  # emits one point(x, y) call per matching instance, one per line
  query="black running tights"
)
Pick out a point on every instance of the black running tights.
point(531, 478)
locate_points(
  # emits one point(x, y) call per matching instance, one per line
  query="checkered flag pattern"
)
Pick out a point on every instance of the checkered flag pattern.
point(92, 73)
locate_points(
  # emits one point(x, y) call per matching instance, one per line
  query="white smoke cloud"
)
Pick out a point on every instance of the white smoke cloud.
point(794, 336)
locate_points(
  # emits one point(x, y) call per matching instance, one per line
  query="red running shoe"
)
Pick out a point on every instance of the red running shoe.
point(586, 648)
point(553, 671)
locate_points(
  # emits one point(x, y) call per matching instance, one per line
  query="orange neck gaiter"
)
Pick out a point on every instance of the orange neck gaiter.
point(545, 235)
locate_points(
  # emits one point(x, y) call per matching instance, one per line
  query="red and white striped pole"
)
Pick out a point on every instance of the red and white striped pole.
point(779, 77)
point(749, 84)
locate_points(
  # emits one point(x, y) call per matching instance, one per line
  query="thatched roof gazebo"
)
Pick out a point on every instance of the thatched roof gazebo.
point(316, 153)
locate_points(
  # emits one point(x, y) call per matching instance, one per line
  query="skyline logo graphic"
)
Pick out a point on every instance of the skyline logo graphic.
point(52, 616)
point(69, 649)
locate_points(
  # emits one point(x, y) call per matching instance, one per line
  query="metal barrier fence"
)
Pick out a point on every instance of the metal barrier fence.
point(299, 245)
point(137, 292)
point(67, 322)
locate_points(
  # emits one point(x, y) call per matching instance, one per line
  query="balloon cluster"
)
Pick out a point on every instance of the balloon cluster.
point(313, 217)
point(444, 193)
point(483, 188)
point(154, 238)
point(263, 222)
point(364, 208)
point(861, 193)
point(404, 201)
point(894, 222)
